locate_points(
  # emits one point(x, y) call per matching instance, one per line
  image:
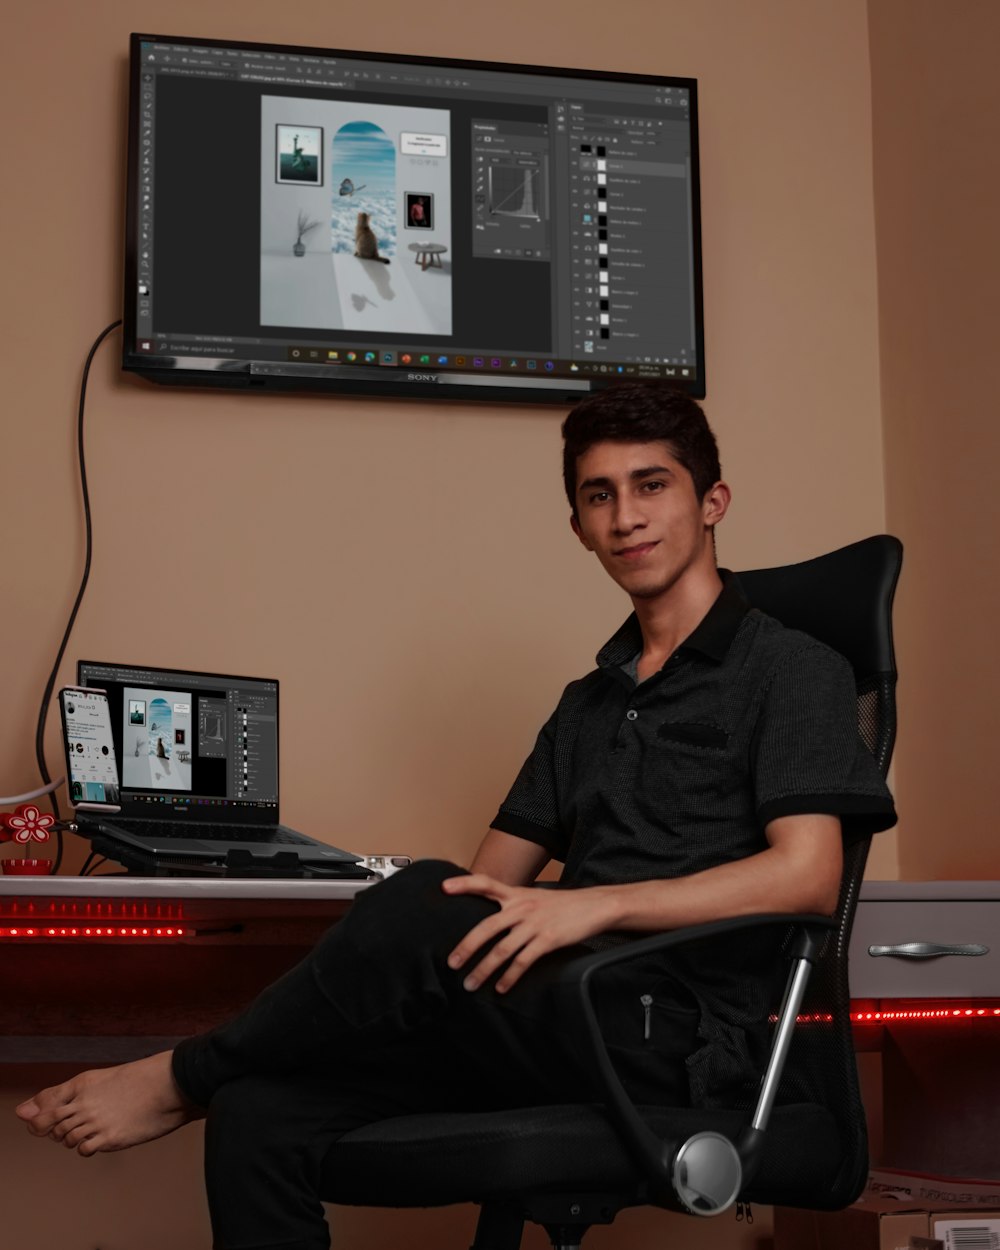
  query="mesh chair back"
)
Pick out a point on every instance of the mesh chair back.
point(845, 600)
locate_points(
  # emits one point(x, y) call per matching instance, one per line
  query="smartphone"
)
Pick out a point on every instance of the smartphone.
point(91, 767)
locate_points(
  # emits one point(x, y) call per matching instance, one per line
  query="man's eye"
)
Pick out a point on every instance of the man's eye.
point(652, 487)
point(599, 496)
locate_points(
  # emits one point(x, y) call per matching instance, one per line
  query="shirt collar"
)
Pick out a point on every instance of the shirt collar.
point(711, 637)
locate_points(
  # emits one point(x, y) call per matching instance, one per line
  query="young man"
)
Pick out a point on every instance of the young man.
point(710, 766)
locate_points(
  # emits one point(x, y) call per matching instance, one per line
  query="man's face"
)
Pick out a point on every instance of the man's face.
point(638, 512)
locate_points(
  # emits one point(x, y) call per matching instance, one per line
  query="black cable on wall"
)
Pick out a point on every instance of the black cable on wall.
point(50, 684)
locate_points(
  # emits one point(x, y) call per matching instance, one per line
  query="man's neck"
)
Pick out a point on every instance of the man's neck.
point(669, 618)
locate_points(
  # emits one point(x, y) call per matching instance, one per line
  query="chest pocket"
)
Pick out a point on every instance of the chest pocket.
point(693, 734)
point(689, 773)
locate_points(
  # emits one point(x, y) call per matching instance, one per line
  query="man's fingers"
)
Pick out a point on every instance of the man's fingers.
point(477, 938)
point(512, 930)
point(520, 964)
point(506, 949)
point(475, 883)
point(486, 887)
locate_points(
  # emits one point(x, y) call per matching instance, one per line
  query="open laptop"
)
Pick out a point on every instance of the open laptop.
point(198, 765)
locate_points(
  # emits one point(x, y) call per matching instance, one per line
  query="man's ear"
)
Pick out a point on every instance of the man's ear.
point(716, 503)
point(575, 527)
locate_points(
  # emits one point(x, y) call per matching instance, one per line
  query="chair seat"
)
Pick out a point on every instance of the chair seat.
point(433, 1160)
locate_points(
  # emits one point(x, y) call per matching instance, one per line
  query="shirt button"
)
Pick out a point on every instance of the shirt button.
point(631, 714)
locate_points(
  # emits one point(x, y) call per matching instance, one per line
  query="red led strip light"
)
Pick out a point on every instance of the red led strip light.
point(925, 1013)
point(93, 920)
point(92, 912)
point(21, 932)
point(890, 1015)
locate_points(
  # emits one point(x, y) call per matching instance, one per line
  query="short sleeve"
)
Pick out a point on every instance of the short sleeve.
point(531, 808)
point(807, 754)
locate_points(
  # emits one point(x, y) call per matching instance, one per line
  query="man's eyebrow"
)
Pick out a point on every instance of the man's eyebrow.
point(635, 475)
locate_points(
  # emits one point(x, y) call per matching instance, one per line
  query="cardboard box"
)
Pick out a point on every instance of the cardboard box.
point(923, 1189)
point(871, 1224)
point(886, 1224)
point(965, 1230)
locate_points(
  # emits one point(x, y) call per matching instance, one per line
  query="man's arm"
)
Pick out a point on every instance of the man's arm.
point(508, 859)
point(799, 871)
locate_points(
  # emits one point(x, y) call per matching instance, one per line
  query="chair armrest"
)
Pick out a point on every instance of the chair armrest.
point(581, 969)
point(656, 1157)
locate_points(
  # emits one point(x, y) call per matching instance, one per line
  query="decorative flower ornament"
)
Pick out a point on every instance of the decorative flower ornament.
point(26, 824)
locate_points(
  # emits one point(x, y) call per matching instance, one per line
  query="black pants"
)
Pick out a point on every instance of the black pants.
point(374, 1024)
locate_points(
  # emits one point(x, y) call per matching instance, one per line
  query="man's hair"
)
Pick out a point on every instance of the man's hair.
point(642, 412)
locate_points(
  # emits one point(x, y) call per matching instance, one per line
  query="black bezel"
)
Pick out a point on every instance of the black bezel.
point(360, 381)
point(248, 815)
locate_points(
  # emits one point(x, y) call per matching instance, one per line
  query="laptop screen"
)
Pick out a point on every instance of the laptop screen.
point(198, 745)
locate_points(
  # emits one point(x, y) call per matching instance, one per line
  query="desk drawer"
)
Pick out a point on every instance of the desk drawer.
point(881, 923)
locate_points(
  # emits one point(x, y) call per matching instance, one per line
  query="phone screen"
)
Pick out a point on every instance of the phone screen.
point(91, 770)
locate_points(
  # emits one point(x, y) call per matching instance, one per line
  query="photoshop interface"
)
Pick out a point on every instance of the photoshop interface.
point(510, 190)
point(253, 763)
point(631, 221)
point(594, 194)
point(192, 740)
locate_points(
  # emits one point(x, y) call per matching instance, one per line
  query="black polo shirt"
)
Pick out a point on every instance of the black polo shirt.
point(747, 721)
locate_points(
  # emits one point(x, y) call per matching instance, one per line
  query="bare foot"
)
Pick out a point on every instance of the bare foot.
point(111, 1108)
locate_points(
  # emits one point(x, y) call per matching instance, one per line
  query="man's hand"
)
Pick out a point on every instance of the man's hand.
point(798, 872)
point(532, 922)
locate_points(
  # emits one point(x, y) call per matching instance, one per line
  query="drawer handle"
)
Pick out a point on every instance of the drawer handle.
point(929, 950)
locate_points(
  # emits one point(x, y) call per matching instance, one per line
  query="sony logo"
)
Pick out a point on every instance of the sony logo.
point(422, 377)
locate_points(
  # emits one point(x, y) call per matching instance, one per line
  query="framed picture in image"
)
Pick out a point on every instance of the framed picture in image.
point(419, 210)
point(298, 155)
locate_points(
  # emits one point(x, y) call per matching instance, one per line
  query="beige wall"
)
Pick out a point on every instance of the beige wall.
point(936, 105)
point(411, 561)
point(406, 569)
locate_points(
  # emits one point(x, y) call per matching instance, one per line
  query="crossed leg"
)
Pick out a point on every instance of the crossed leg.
point(376, 976)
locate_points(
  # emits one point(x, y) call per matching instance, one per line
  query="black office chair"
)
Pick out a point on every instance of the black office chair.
point(800, 1140)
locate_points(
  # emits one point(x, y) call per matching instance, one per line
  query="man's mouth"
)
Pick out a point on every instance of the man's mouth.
point(636, 552)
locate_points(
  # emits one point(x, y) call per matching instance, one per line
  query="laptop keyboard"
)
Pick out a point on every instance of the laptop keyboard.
point(216, 832)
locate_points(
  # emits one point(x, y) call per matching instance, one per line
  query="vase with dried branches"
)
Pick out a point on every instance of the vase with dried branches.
point(303, 226)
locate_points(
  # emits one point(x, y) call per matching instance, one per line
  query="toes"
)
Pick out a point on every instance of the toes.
point(75, 1136)
point(27, 1110)
point(59, 1131)
point(89, 1146)
point(36, 1129)
point(45, 1125)
point(46, 1109)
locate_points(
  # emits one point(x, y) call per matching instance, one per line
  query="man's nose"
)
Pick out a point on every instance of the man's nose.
point(628, 515)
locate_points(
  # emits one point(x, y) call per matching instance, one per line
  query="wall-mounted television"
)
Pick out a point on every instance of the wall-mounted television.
point(309, 219)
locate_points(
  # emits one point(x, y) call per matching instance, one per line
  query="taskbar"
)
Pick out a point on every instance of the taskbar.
point(177, 801)
point(443, 364)
point(308, 360)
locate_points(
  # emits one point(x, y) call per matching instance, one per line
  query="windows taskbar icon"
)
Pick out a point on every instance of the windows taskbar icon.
point(340, 356)
point(428, 360)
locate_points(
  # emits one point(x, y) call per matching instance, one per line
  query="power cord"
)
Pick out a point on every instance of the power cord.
point(11, 800)
point(50, 684)
point(92, 862)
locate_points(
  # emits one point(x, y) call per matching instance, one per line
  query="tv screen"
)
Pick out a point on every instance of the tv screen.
point(315, 219)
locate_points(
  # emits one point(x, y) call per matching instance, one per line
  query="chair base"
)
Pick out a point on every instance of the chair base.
point(565, 1217)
